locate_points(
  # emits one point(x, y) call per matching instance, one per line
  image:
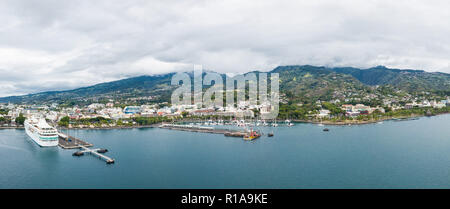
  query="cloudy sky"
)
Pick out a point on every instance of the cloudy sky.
point(56, 45)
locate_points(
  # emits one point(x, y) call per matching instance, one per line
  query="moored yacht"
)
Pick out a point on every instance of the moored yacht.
point(288, 123)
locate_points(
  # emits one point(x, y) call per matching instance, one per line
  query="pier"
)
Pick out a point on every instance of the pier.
point(204, 129)
point(70, 142)
point(95, 152)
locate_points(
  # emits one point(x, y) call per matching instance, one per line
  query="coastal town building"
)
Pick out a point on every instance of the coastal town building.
point(132, 110)
point(352, 104)
point(323, 113)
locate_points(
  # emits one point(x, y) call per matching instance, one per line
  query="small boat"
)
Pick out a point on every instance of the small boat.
point(78, 153)
point(288, 123)
point(102, 150)
point(326, 129)
point(251, 136)
point(270, 134)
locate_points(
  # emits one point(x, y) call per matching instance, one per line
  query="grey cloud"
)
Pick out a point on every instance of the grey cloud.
point(58, 45)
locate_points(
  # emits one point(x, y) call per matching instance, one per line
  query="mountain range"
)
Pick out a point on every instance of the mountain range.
point(297, 81)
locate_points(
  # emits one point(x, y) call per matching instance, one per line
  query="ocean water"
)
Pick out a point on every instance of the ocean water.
point(394, 154)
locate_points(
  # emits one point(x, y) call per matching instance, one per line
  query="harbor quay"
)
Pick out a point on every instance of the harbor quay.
point(205, 129)
point(69, 142)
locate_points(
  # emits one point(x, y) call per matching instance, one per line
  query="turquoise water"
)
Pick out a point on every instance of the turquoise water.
point(406, 154)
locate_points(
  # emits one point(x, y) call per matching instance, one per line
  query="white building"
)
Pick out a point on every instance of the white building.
point(96, 106)
point(323, 113)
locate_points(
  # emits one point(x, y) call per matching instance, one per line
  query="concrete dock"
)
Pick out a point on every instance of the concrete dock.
point(203, 129)
point(70, 142)
point(95, 152)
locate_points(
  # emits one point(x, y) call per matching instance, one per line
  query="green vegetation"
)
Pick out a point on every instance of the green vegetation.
point(408, 80)
point(307, 112)
point(151, 120)
point(4, 111)
point(304, 84)
point(4, 120)
point(293, 111)
point(105, 122)
point(418, 112)
point(64, 121)
point(334, 109)
point(21, 119)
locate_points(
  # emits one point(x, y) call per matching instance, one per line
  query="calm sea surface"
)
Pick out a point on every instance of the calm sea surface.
point(406, 154)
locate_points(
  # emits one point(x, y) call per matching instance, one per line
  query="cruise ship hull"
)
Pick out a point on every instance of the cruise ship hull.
point(43, 142)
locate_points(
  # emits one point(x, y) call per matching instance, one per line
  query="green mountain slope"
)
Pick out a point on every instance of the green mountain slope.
point(314, 83)
point(409, 80)
point(137, 86)
point(302, 83)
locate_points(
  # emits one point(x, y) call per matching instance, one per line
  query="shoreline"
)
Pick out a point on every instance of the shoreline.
point(358, 122)
point(110, 128)
point(95, 128)
point(9, 127)
point(326, 122)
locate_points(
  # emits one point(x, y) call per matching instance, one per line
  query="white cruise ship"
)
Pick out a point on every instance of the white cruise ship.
point(41, 133)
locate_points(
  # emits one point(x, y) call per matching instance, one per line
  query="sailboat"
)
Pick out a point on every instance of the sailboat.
point(264, 123)
point(288, 123)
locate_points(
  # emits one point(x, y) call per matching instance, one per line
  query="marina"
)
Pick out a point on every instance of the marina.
point(205, 129)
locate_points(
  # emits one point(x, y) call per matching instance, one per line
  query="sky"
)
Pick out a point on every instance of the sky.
point(58, 45)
